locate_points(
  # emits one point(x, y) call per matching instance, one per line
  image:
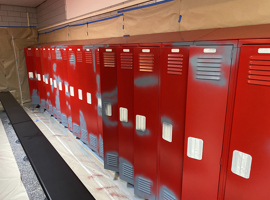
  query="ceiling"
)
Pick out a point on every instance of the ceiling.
point(26, 3)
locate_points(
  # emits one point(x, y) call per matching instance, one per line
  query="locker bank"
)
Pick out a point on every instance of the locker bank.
point(142, 99)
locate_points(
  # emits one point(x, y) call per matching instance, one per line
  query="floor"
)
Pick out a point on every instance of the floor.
point(87, 165)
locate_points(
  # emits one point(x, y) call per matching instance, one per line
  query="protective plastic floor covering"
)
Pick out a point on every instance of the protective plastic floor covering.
point(11, 186)
point(103, 184)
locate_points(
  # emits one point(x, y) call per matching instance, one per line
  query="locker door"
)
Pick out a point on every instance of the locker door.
point(146, 86)
point(62, 73)
point(32, 75)
point(73, 79)
point(109, 93)
point(54, 86)
point(44, 60)
point(207, 92)
point(126, 119)
point(41, 87)
point(96, 61)
point(172, 106)
point(249, 158)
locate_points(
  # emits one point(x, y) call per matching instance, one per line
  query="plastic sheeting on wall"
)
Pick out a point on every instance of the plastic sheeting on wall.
point(155, 19)
point(13, 73)
point(78, 32)
point(106, 29)
point(197, 14)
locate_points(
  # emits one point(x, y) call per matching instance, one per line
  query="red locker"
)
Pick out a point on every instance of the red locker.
point(63, 86)
point(209, 79)
point(32, 74)
point(74, 87)
point(99, 101)
point(146, 89)
point(171, 123)
point(109, 93)
point(54, 88)
point(249, 158)
point(40, 83)
point(125, 84)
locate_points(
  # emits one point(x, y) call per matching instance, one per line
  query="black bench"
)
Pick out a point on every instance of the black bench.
point(56, 178)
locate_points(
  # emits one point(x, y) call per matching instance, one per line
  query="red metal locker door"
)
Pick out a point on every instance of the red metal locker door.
point(32, 74)
point(146, 87)
point(50, 81)
point(73, 90)
point(108, 74)
point(125, 82)
point(98, 99)
point(207, 93)
point(40, 83)
point(249, 159)
point(62, 73)
point(54, 87)
point(172, 107)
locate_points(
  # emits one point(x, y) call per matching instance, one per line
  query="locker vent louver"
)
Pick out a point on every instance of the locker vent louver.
point(79, 56)
point(259, 70)
point(126, 60)
point(209, 68)
point(98, 60)
point(146, 62)
point(53, 55)
point(29, 52)
point(101, 148)
point(76, 128)
point(64, 55)
point(167, 196)
point(37, 53)
point(175, 62)
point(127, 170)
point(84, 136)
point(93, 141)
point(44, 54)
point(112, 160)
point(144, 185)
point(64, 120)
point(88, 57)
point(109, 59)
point(72, 58)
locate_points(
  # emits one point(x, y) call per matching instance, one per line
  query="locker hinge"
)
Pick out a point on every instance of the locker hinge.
point(220, 162)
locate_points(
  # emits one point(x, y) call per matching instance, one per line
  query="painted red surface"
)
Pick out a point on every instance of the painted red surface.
point(172, 107)
point(250, 131)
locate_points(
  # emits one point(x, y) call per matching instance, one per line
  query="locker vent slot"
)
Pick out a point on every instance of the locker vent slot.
point(109, 59)
point(259, 70)
point(175, 62)
point(209, 68)
point(53, 55)
point(127, 170)
point(79, 56)
point(71, 57)
point(144, 185)
point(65, 55)
point(88, 57)
point(29, 52)
point(241, 164)
point(98, 61)
point(37, 53)
point(84, 136)
point(76, 128)
point(101, 147)
point(126, 60)
point(64, 120)
point(93, 141)
point(146, 62)
point(168, 196)
point(44, 54)
point(112, 160)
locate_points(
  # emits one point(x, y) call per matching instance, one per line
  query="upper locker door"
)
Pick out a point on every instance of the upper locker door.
point(248, 172)
point(207, 92)
point(146, 88)
point(171, 124)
